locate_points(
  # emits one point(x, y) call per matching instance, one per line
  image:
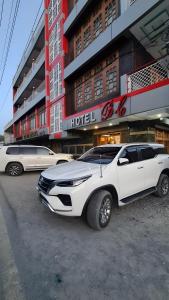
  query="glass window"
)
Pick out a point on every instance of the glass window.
point(79, 96)
point(56, 118)
point(111, 80)
point(42, 151)
point(98, 87)
point(78, 46)
point(87, 37)
point(131, 154)
point(28, 150)
point(110, 12)
point(97, 26)
point(147, 153)
point(56, 88)
point(42, 118)
point(88, 92)
point(32, 122)
point(100, 155)
point(12, 151)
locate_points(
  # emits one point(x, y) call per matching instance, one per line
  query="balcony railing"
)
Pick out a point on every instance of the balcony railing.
point(149, 75)
point(34, 65)
point(27, 102)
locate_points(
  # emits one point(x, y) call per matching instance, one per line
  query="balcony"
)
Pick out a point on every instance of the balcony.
point(30, 46)
point(29, 76)
point(34, 98)
point(149, 75)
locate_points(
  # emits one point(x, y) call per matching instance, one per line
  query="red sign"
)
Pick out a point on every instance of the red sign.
point(108, 109)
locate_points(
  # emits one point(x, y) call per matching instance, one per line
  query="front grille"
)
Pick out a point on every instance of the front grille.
point(45, 184)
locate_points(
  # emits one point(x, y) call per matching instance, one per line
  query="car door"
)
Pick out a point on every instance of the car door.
point(28, 157)
point(131, 175)
point(151, 167)
point(47, 157)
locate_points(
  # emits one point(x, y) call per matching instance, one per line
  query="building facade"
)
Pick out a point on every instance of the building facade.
point(106, 75)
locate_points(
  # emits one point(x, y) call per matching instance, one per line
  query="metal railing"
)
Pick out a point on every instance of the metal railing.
point(34, 65)
point(149, 75)
point(26, 103)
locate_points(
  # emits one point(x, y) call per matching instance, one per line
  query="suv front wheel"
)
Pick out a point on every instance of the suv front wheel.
point(14, 169)
point(162, 186)
point(99, 209)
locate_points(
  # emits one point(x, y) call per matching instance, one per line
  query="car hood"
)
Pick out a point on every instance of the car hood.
point(71, 170)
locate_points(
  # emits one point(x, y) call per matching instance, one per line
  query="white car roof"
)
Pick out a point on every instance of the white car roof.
point(132, 144)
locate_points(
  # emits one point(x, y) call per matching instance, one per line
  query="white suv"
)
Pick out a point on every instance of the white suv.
point(103, 176)
point(16, 159)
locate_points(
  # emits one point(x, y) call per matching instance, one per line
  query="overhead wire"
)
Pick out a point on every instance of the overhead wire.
point(9, 42)
point(2, 9)
point(10, 38)
point(6, 36)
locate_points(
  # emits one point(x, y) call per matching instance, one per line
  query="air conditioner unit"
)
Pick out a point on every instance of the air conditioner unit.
point(131, 1)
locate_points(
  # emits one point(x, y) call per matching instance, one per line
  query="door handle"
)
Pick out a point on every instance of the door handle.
point(140, 168)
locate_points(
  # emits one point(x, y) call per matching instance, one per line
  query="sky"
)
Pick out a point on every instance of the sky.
point(26, 16)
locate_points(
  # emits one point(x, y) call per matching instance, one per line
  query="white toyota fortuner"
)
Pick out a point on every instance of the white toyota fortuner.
point(103, 176)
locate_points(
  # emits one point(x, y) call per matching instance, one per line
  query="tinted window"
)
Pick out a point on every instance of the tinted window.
point(131, 154)
point(160, 150)
point(12, 151)
point(147, 153)
point(42, 151)
point(100, 155)
point(28, 151)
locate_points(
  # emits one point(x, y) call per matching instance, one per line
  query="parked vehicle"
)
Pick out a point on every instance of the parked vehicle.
point(16, 159)
point(105, 176)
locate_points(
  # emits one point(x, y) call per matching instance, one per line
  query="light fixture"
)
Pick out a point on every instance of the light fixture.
point(161, 119)
point(110, 124)
point(84, 129)
point(96, 127)
point(159, 115)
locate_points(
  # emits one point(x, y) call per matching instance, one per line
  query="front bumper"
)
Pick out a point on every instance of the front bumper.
point(54, 203)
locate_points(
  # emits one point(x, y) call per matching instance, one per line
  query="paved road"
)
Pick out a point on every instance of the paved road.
point(61, 258)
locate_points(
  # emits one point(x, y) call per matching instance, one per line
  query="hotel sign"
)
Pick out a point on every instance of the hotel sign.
point(108, 110)
point(83, 120)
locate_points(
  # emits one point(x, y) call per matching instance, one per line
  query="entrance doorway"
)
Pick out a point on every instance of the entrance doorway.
point(109, 138)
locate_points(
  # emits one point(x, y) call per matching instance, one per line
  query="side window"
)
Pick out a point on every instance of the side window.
point(160, 150)
point(42, 151)
point(147, 153)
point(131, 154)
point(28, 151)
point(12, 151)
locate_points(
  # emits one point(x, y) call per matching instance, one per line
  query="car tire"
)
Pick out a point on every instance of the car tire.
point(61, 162)
point(162, 186)
point(99, 210)
point(14, 169)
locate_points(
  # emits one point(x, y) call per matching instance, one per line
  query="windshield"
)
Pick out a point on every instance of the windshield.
point(100, 155)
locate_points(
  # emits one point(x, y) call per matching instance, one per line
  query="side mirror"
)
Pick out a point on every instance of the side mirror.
point(51, 153)
point(123, 161)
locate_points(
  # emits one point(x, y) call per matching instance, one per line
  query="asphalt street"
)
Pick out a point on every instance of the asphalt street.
point(52, 257)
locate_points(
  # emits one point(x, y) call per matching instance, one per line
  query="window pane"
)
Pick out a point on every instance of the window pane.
point(147, 153)
point(28, 150)
point(12, 150)
point(131, 154)
point(42, 151)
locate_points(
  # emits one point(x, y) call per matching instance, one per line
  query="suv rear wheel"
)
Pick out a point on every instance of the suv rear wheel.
point(162, 186)
point(14, 169)
point(99, 210)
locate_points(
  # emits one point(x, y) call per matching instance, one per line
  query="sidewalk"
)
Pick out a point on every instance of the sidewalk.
point(10, 288)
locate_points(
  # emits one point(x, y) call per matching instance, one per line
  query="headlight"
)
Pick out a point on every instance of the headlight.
point(73, 182)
